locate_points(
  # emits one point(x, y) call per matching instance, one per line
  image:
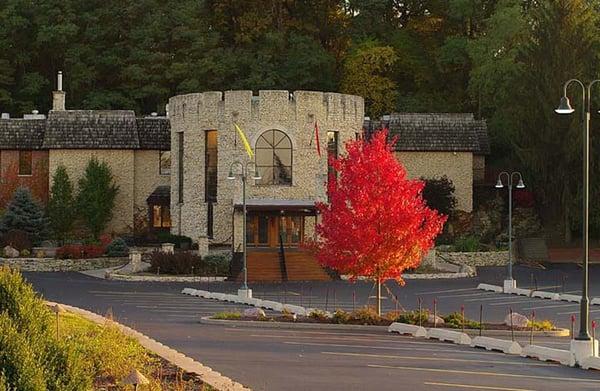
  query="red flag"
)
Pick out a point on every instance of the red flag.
point(317, 138)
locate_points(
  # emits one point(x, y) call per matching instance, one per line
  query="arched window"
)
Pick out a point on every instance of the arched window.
point(274, 158)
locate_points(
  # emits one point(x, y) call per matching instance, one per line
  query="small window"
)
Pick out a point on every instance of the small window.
point(25, 163)
point(165, 162)
point(161, 216)
point(180, 145)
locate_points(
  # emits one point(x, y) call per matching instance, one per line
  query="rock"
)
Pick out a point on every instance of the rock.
point(438, 320)
point(518, 320)
point(254, 313)
point(10, 252)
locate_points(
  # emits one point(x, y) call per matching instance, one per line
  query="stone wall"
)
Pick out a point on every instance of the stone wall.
point(193, 114)
point(488, 258)
point(457, 166)
point(146, 178)
point(37, 182)
point(122, 165)
point(61, 265)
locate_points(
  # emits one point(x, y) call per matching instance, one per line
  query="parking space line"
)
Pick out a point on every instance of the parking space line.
point(445, 291)
point(412, 348)
point(500, 296)
point(575, 312)
point(527, 300)
point(468, 294)
point(479, 387)
point(485, 373)
point(551, 306)
point(437, 358)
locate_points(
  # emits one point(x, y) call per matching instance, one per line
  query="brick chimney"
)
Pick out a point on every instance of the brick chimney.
point(58, 96)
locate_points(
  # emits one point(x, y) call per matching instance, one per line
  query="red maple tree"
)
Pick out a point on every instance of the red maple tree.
point(376, 223)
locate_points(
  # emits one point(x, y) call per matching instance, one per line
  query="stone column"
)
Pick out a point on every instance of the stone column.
point(168, 248)
point(135, 259)
point(202, 245)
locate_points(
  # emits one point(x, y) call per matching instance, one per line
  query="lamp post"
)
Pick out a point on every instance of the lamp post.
point(582, 344)
point(510, 283)
point(244, 173)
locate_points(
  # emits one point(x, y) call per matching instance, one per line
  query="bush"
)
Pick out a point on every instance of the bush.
point(17, 239)
point(80, 251)
point(439, 194)
point(216, 264)
point(177, 263)
point(412, 317)
point(227, 315)
point(180, 241)
point(318, 315)
point(366, 315)
point(455, 321)
point(467, 244)
point(341, 317)
point(117, 248)
point(541, 325)
point(25, 253)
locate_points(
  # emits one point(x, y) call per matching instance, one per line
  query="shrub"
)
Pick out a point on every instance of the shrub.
point(96, 198)
point(117, 248)
point(180, 241)
point(412, 317)
point(24, 214)
point(227, 315)
point(467, 244)
point(25, 253)
point(439, 194)
point(341, 316)
point(177, 263)
point(17, 239)
point(318, 315)
point(217, 264)
point(80, 251)
point(541, 325)
point(455, 320)
point(366, 315)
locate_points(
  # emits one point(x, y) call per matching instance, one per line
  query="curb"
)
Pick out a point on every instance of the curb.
point(537, 294)
point(422, 276)
point(129, 277)
point(206, 374)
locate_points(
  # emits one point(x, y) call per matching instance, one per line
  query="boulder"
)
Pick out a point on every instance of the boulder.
point(10, 252)
point(518, 320)
point(254, 313)
point(438, 320)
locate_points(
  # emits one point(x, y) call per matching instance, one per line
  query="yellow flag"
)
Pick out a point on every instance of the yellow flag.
point(244, 140)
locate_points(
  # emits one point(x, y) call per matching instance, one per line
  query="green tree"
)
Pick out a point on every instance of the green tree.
point(96, 196)
point(24, 214)
point(61, 203)
point(366, 73)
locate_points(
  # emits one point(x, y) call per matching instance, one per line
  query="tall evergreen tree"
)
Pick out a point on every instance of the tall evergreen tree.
point(96, 198)
point(24, 214)
point(61, 204)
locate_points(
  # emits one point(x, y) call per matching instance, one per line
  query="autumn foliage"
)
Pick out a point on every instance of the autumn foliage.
point(376, 223)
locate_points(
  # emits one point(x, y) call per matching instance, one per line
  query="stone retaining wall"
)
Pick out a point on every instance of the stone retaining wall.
point(61, 265)
point(487, 258)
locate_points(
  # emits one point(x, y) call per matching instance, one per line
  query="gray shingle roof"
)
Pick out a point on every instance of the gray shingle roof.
point(154, 133)
point(160, 196)
point(435, 132)
point(22, 133)
point(91, 129)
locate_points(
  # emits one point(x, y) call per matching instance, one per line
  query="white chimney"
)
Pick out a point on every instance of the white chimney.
point(58, 96)
point(5, 116)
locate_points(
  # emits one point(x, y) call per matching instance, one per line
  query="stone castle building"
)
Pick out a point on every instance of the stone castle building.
point(280, 127)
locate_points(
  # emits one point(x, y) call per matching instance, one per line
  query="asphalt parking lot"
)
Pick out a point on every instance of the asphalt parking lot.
point(268, 359)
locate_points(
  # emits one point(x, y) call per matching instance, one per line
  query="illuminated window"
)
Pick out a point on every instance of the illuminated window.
point(165, 162)
point(210, 166)
point(161, 216)
point(25, 162)
point(274, 158)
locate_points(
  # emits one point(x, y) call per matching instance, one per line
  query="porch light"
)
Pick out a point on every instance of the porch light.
point(565, 106)
point(520, 185)
point(230, 175)
point(499, 184)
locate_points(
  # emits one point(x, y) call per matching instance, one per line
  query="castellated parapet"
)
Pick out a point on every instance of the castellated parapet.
point(294, 114)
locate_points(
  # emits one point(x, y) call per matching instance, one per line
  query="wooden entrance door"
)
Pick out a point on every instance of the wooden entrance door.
point(267, 230)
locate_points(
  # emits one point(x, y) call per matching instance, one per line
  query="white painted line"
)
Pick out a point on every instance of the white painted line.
point(436, 358)
point(411, 348)
point(479, 387)
point(488, 294)
point(445, 291)
point(541, 307)
point(483, 373)
point(499, 296)
point(525, 300)
point(575, 312)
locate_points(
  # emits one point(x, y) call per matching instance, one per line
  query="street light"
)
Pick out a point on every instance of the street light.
point(244, 173)
point(510, 283)
point(582, 344)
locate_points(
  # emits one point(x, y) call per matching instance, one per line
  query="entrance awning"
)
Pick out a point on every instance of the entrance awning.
point(160, 196)
point(306, 207)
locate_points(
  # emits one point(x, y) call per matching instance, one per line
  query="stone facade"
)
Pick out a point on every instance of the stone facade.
point(457, 166)
point(147, 177)
point(488, 258)
point(121, 163)
point(294, 114)
point(37, 182)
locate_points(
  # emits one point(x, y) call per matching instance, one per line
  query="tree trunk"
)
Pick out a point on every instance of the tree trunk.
point(379, 296)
